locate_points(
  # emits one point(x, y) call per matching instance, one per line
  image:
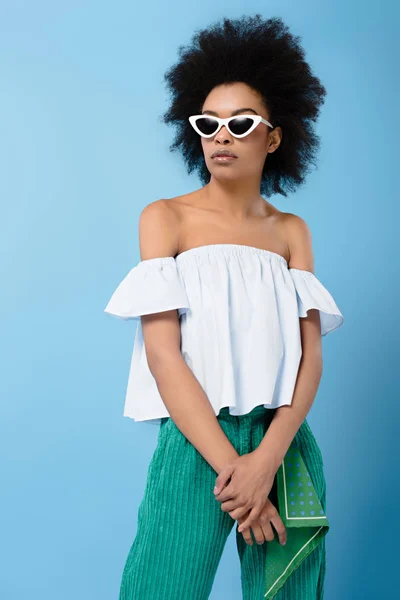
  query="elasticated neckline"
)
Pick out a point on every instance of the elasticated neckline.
point(236, 248)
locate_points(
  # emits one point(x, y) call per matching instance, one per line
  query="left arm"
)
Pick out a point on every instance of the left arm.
point(255, 472)
point(288, 419)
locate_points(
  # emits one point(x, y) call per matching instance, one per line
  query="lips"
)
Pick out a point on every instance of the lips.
point(224, 159)
point(222, 154)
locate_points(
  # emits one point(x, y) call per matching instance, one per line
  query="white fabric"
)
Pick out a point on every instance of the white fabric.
point(239, 309)
point(152, 286)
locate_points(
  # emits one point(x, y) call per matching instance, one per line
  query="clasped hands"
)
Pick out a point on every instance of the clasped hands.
point(246, 500)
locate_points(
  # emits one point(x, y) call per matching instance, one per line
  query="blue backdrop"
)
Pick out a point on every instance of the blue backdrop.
point(77, 167)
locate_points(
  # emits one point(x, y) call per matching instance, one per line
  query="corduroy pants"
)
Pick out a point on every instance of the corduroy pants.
point(182, 531)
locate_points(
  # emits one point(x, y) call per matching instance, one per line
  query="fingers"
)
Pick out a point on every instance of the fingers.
point(226, 494)
point(223, 478)
point(262, 526)
point(237, 513)
point(258, 533)
point(247, 536)
point(246, 533)
point(253, 515)
point(267, 530)
point(280, 529)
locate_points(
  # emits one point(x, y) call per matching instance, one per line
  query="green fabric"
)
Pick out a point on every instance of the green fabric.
point(302, 514)
point(182, 531)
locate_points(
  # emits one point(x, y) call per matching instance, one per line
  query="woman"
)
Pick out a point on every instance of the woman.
point(227, 356)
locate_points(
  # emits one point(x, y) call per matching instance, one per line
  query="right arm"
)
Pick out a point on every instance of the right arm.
point(181, 392)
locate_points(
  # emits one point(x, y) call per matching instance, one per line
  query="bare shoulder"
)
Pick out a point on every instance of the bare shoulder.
point(158, 229)
point(162, 224)
point(299, 240)
point(295, 226)
point(159, 210)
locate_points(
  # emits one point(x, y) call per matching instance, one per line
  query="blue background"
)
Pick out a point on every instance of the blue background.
point(77, 167)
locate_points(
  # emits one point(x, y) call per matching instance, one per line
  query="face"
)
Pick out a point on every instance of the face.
point(252, 150)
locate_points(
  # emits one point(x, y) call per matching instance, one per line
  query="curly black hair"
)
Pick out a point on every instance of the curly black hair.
point(263, 54)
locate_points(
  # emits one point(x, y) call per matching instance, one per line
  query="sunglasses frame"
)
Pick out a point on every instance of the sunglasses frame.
point(256, 120)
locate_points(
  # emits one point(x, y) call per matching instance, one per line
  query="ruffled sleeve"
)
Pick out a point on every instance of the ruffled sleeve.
point(312, 294)
point(153, 285)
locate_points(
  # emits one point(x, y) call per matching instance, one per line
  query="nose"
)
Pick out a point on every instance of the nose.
point(223, 136)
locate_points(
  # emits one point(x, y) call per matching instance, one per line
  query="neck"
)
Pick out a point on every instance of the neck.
point(239, 199)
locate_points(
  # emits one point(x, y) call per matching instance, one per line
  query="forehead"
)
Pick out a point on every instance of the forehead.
point(238, 111)
point(229, 99)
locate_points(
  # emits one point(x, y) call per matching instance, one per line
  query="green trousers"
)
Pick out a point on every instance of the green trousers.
point(182, 531)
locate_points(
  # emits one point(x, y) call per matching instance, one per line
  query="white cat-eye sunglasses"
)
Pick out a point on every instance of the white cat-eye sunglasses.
point(238, 126)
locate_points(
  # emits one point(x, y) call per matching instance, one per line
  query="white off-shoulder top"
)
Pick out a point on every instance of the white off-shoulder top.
point(239, 309)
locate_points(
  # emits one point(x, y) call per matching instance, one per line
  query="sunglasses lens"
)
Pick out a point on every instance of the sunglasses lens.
point(240, 125)
point(207, 125)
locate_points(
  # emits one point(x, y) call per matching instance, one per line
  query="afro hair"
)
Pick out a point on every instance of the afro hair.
point(263, 54)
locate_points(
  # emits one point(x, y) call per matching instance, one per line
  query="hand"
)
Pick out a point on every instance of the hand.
point(251, 480)
point(261, 527)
